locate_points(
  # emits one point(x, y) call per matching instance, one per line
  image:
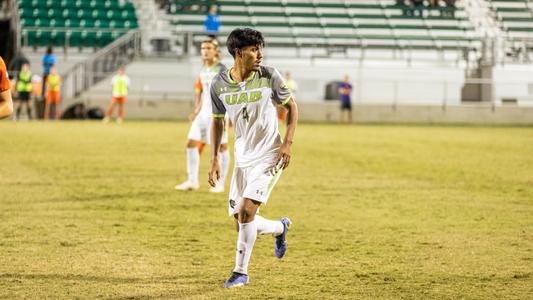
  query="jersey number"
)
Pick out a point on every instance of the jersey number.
point(245, 113)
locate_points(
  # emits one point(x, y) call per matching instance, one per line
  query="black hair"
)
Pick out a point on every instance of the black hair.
point(243, 37)
point(49, 50)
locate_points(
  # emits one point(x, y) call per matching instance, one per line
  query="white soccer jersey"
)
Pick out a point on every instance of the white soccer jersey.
point(251, 106)
point(206, 76)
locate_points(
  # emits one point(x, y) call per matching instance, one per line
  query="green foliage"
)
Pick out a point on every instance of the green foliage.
point(89, 211)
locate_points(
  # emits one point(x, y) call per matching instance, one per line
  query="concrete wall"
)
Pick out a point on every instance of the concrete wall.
point(329, 112)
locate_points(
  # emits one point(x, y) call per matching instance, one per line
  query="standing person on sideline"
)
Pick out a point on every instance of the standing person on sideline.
point(49, 60)
point(249, 94)
point(201, 118)
point(53, 97)
point(345, 91)
point(6, 103)
point(24, 88)
point(212, 22)
point(120, 84)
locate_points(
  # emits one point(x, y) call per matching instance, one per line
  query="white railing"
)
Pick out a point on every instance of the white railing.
point(100, 65)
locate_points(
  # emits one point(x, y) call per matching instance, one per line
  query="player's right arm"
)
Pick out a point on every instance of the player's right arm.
point(6, 103)
point(197, 100)
point(219, 112)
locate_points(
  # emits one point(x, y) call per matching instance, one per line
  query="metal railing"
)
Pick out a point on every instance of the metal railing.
point(100, 65)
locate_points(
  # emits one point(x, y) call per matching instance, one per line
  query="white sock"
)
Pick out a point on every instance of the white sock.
point(193, 163)
point(245, 245)
point(224, 166)
point(265, 226)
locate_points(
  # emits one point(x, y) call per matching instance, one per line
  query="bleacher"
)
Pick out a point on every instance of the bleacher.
point(74, 23)
point(365, 24)
point(516, 17)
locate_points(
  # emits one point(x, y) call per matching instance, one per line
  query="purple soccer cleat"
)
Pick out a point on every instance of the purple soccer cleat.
point(280, 245)
point(236, 280)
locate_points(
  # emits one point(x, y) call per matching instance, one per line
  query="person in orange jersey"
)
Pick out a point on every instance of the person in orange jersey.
point(6, 103)
point(53, 94)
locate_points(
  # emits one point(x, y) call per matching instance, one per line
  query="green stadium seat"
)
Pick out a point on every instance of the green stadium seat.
point(57, 22)
point(42, 22)
point(103, 23)
point(74, 38)
point(87, 23)
point(116, 24)
point(88, 38)
point(72, 23)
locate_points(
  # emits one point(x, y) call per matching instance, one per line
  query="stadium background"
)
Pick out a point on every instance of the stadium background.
point(469, 66)
point(384, 211)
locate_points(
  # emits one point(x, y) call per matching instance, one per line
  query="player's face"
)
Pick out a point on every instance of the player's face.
point(252, 57)
point(208, 51)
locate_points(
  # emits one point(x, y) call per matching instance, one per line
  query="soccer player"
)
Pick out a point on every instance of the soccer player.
point(120, 83)
point(201, 117)
point(24, 88)
point(249, 93)
point(53, 88)
point(345, 91)
point(6, 103)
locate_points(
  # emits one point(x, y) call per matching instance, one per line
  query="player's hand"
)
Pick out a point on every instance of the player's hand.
point(284, 156)
point(214, 173)
point(192, 116)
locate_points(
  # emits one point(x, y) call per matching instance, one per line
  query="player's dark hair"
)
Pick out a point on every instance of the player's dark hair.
point(244, 37)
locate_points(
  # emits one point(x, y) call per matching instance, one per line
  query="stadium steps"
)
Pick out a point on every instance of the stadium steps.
point(368, 25)
point(516, 17)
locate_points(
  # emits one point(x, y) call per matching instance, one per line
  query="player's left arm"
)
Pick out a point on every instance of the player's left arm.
point(219, 111)
point(284, 156)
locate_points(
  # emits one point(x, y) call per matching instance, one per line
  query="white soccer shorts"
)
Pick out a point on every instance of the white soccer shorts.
point(201, 130)
point(255, 182)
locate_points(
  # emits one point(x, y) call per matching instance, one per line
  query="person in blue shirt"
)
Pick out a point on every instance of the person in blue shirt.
point(345, 91)
point(212, 22)
point(49, 60)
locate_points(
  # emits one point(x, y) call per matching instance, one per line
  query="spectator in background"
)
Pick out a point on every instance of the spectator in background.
point(53, 97)
point(120, 83)
point(212, 22)
point(345, 91)
point(406, 10)
point(18, 61)
point(6, 103)
point(450, 8)
point(49, 60)
point(418, 7)
point(24, 88)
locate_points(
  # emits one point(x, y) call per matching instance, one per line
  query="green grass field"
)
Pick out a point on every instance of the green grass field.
point(89, 211)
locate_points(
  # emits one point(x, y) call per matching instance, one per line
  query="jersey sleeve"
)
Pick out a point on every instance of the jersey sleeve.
point(4, 77)
point(280, 92)
point(219, 110)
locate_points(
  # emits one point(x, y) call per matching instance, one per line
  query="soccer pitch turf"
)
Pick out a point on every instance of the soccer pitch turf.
point(89, 211)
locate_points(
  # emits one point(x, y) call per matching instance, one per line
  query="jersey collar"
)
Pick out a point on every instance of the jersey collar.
point(250, 76)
